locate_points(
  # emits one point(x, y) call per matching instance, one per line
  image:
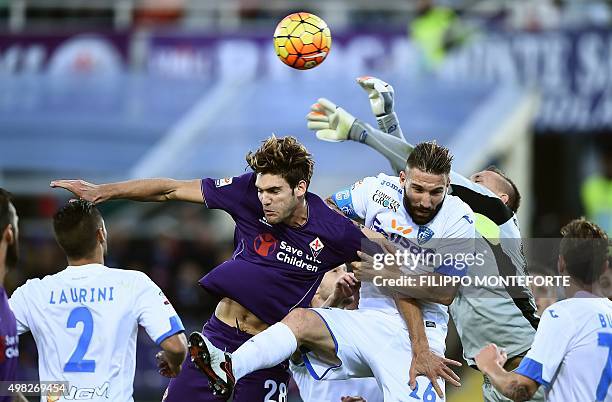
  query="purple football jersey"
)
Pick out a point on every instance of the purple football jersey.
point(9, 343)
point(276, 268)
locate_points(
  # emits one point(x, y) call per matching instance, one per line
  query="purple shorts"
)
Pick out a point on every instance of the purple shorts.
point(259, 386)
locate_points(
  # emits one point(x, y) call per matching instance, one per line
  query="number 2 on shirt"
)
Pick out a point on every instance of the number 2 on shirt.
point(605, 339)
point(76, 364)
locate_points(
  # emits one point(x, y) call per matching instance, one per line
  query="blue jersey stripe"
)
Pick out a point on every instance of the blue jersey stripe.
point(176, 326)
point(532, 369)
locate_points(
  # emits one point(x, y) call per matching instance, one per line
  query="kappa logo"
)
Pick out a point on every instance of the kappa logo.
point(223, 182)
point(424, 235)
point(316, 246)
point(264, 244)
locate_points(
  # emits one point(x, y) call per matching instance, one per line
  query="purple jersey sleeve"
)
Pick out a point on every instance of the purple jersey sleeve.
point(353, 240)
point(229, 193)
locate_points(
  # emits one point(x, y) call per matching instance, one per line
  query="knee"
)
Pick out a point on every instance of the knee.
point(298, 317)
point(300, 321)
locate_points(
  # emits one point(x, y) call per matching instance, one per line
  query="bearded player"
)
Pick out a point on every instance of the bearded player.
point(340, 344)
point(505, 316)
point(286, 238)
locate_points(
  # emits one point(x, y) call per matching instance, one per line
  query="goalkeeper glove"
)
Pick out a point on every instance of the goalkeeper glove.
point(381, 102)
point(380, 94)
point(331, 123)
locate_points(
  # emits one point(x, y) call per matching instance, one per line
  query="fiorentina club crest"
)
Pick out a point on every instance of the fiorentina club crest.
point(425, 234)
point(316, 246)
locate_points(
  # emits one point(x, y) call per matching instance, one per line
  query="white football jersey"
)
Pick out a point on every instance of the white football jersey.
point(85, 319)
point(312, 390)
point(448, 236)
point(571, 354)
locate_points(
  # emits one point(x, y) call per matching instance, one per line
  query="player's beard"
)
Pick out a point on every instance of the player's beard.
point(420, 215)
point(12, 254)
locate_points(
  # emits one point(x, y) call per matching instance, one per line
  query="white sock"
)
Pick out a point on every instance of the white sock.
point(266, 349)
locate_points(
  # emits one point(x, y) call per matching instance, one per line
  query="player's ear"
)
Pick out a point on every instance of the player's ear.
point(504, 197)
point(402, 177)
point(8, 234)
point(561, 264)
point(101, 235)
point(301, 188)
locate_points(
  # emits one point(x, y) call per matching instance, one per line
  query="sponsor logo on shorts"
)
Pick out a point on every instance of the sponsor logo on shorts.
point(83, 394)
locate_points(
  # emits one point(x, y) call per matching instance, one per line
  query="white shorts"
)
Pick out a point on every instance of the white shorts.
point(312, 390)
point(373, 343)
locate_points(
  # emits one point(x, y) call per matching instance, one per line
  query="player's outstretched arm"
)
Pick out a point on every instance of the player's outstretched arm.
point(424, 361)
point(170, 359)
point(490, 360)
point(138, 190)
point(332, 123)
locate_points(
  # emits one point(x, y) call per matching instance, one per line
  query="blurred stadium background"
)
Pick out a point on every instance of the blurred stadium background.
point(108, 90)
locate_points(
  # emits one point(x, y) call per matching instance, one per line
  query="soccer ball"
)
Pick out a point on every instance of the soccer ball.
point(302, 40)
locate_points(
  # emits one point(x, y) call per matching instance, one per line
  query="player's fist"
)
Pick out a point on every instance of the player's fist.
point(82, 189)
point(490, 355)
point(330, 122)
point(165, 365)
point(380, 94)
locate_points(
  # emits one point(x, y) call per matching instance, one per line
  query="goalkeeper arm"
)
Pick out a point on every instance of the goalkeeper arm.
point(334, 124)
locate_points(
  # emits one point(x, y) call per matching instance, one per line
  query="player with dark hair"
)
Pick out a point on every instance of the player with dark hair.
point(504, 315)
point(85, 318)
point(9, 254)
point(340, 344)
point(286, 238)
point(571, 355)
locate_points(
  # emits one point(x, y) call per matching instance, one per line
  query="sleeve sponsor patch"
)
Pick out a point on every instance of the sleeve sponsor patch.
point(223, 182)
point(344, 201)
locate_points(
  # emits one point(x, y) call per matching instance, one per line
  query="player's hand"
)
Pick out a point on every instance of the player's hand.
point(489, 357)
point(166, 368)
point(352, 399)
point(345, 287)
point(380, 94)
point(82, 189)
point(367, 268)
point(331, 123)
point(432, 366)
